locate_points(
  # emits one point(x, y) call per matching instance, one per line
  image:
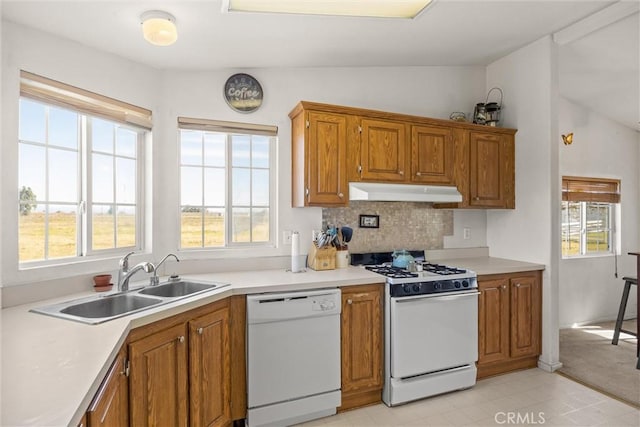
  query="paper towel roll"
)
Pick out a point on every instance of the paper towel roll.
point(295, 252)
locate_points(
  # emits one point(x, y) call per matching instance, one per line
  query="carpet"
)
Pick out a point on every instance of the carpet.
point(588, 357)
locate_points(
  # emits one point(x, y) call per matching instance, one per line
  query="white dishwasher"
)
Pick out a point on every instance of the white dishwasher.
point(293, 356)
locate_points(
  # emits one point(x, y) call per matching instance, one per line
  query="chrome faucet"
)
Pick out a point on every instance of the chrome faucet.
point(123, 285)
point(154, 280)
point(124, 267)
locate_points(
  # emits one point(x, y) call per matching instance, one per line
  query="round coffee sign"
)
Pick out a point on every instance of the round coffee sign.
point(243, 93)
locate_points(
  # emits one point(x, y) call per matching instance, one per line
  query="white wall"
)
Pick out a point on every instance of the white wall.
point(528, 78)
point(428, 91)
point(589, 291)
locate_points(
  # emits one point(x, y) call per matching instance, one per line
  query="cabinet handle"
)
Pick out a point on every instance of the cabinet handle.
point(181, 339)
point(341, 195)
point(517, 285)
point(200, 331)
point(504, 286)
point(418, 173)
point(401, 172)
point(349, 301)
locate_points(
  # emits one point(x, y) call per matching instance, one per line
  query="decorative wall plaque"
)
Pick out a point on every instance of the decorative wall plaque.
point(243, 93)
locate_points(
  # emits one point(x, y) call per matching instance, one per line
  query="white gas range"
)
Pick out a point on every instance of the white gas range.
point(431, 328)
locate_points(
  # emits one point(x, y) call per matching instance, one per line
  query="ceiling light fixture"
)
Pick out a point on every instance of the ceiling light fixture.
point(365, 8)
point(159, 28)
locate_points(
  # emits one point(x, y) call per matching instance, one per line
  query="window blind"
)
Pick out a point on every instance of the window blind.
point(580, 189)
point(63, 95)
point(226, 127)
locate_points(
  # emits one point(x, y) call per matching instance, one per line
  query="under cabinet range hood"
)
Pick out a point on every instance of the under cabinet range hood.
point(403, 192)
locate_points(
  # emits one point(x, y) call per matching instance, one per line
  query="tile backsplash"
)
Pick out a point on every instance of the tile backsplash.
point(403, 225)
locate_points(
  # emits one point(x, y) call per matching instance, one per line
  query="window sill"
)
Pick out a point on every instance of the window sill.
point(591, 256)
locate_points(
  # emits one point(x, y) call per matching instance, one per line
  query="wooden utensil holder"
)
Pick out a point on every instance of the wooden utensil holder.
point(322, 258)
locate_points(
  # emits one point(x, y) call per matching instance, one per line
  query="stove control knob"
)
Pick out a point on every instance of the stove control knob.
point(456, 284)
point(465, 283)
point(437, 285)
point(406, 288)
point(416, 287)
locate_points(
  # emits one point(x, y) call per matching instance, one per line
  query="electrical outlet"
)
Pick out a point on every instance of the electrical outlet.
point(466, 233)
point(286, 237)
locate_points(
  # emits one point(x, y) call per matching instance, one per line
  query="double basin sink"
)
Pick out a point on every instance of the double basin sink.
point(101, 308)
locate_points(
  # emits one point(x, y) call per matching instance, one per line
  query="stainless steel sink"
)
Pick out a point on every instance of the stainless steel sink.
point(102, 308)
point(179, 289)
point(110, 306)
point(98, 309)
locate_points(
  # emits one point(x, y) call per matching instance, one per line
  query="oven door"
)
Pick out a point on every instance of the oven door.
point(433, 332)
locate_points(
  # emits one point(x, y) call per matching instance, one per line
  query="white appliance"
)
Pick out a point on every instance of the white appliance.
point(293, 356)
point(431, 330)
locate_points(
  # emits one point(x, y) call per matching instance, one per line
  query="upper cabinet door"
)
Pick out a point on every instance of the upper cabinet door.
point(327, 159)
point(432, 155)
point(383, 155)
point(491, 170)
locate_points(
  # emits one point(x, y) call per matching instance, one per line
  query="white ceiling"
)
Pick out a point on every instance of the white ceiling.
point(448, 33)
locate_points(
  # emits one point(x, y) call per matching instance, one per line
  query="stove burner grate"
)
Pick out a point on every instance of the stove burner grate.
point(442, 270)
point(393, 272)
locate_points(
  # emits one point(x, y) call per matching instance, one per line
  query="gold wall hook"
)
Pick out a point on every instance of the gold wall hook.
point(567, 139)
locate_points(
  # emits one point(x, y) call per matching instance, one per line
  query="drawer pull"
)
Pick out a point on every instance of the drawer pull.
point(181, 339)
point(200, 331)
point(349, 301)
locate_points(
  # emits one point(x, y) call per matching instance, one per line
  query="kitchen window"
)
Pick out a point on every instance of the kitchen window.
point(588, 216)
point(80, 163)
point(227, 184)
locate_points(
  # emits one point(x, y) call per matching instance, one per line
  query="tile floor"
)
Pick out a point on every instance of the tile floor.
point(531, 397)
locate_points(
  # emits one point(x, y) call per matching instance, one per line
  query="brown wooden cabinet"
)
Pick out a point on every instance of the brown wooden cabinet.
point(319, 154)
point(182, 371)
point(159, 378)
point(432, 155)
point(110, 406)
point(383, 153)
point(333, 145)
point(210, 369)
point(362, 345)
point(492, 170)
point(509, 322)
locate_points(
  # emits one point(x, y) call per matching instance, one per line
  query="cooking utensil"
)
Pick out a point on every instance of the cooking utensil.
point(347, 234)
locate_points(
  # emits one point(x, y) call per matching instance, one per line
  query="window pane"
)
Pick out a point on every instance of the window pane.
point(260, 225)
point(240, 150)
point(570, 228)
point(31, 235)
point(260, 191)
point(191, 227)
point(102, 178)
point(214, 185)
point(260, 152)
point(126, 142)
point(102, 135)
point(32, 121)
point(62, 231)
point(191, 147)
point(32, 169)
point(126, 228)
point(597, 227)
point(214, 227)
point(241, 226)
point(191, 186)
point(214, 149)
point(241, 187)
point(63, 176)
point(103, 227)
point(63, 128)
point(125, 180)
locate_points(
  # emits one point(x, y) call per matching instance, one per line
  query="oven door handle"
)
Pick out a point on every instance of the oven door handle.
point(447, 297)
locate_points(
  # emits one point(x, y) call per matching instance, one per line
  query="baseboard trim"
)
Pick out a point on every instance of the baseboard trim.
point(549, 367)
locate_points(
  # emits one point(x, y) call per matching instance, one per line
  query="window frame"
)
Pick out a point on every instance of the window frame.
point(228, 129)
point(585, 191)
point(88, 106)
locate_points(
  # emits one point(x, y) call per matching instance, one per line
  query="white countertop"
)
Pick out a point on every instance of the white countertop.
point(51, 368)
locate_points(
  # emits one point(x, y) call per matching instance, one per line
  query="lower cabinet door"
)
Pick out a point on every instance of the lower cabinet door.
point(210, 366)
point(493, 320)
point(110, 407)
point(525, 316)
point(158, 380)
